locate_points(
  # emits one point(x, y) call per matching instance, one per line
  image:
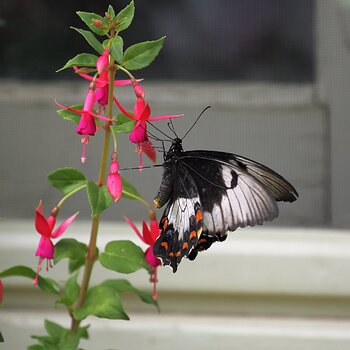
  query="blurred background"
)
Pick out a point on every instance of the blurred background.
point(276, 73)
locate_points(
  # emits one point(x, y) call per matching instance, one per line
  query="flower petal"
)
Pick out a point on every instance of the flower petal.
point(161, 117)
point(64, 226)
point(78, 111)
point(151, 259)
point(123, 110)
point(132, 225)
point(41, 223)
point(45, 248)
point(147, 235)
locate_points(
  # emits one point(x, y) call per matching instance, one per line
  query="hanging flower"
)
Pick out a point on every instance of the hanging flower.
point(149, 236)
point(114, 181)
point(86, 126)
point(142, 114)
point(102, 85)
point(45, 227)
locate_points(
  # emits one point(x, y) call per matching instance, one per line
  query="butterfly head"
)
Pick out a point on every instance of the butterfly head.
point(175, 149)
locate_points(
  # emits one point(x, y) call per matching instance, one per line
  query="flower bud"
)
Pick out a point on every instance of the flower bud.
point(102, 61)
point(114, 181)
point(97, 23)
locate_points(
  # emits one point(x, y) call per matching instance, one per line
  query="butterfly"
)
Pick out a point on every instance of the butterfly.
point(208, 193)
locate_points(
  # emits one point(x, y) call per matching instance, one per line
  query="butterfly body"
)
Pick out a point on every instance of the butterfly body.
point(208, 193)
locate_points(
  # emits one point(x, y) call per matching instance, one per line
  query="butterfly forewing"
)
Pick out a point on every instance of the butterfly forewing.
point(230, 196)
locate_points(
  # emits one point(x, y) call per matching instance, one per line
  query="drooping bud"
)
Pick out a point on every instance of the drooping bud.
point(114, 181)
point(138, 89)
point(102, 61)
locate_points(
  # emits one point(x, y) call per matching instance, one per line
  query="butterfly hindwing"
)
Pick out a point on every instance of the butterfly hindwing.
point(181, 223)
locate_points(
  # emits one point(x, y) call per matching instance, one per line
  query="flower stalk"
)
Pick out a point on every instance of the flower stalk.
point(91, 251)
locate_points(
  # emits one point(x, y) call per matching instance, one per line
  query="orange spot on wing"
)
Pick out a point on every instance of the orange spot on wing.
point(165, 223)
point(178, 253)
point(185, 246)
point(165, 245)
point(193, 234)
point(199, 216)
point(171, 254)
point(201, 241)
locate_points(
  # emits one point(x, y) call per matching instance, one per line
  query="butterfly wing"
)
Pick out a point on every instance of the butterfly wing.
point(234, 192)
point(181, 223)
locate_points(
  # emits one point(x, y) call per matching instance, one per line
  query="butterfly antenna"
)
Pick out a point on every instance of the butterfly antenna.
point(196, 121)
point(143, 167)
point(172, 128)
point(163, 133)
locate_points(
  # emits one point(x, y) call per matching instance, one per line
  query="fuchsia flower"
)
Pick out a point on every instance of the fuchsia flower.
point(45, 228)
point(102, 85)
point(114, 181)
point(149, 236)
point(86, 126)
point(142, 114)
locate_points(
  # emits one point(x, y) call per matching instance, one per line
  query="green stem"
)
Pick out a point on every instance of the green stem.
point(127, 72)
point(59, 204)
point(91, 255)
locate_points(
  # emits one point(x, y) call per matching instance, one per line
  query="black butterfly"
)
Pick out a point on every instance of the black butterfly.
point(209, 193)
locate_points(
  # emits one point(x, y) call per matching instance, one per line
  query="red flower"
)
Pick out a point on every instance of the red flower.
point(142, 114)
point(102, 85)
point(149, 236)
point(114, 181)
point(86, 126)
point(45, 228)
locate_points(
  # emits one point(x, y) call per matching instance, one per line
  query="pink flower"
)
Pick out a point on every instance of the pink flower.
point(1, 292)
point(45, 228)
point(102, 85)
point(86, 126)
point(114, 181)
point(149, 236)
point(102, 61)
point(142, 114)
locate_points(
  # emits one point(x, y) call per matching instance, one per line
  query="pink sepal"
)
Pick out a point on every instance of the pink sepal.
point(132, 225)
point(60, 230)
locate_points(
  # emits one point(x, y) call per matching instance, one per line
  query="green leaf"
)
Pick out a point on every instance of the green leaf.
point(88, 18)
point(116, 48)
point(121, 285)
point(73, 250)
point(91, 39)
point(54, 330)
point(71, 116)
point(35, 347)
point(71, 291)
point(46, 284)
point(129, 191)
point(123, 125)
point(125, 17)
point(101, 301)
point(111, 11)
point(123, 256)
point(82, 59)
point(99, 198)
point(67, 180)
point(142, 54)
